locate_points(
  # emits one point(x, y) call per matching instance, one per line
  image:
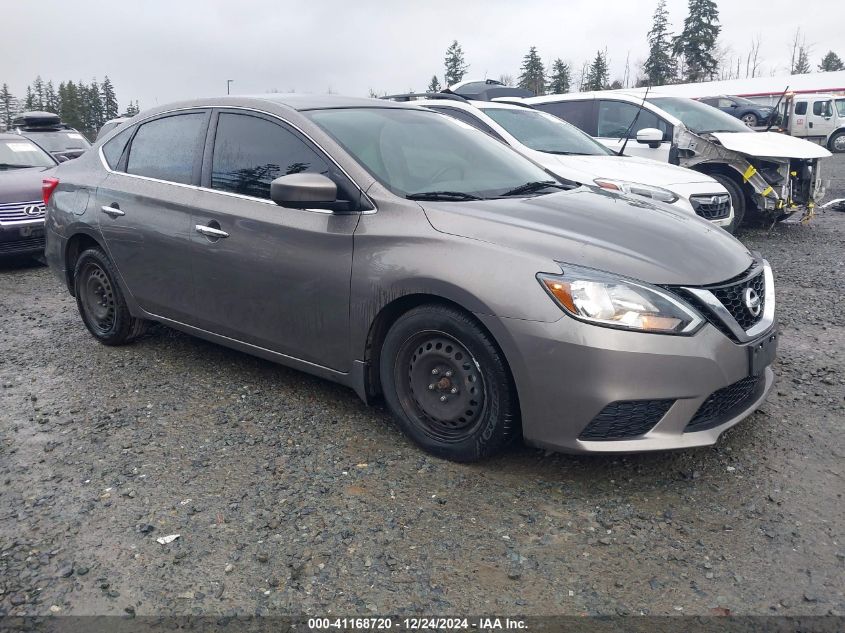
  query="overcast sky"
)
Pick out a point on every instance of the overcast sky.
point(157, 51)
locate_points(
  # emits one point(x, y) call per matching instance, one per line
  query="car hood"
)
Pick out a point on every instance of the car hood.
point(769, 145)
point(22, 185)
point(590, 227)
point(586, 169)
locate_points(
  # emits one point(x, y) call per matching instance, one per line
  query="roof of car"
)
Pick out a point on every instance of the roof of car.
point(7, 136)
point(302, 101)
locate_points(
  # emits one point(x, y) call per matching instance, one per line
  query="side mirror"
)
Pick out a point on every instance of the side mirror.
point(62, 158)
point(734, 105)
point(299, 191)
point(650, 136)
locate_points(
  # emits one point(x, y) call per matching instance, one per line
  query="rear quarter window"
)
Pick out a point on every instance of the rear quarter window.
point(113, 150)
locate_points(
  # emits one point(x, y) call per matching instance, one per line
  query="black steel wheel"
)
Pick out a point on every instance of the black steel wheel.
point(447, 384)
point(100, 300)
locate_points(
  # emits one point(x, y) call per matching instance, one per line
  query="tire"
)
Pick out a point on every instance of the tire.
point(836, 143)
point(737, 200)
point(750, 119)
point(448, 385)
point(100, 300)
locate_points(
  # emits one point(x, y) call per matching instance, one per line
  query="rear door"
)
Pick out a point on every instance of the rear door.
point(616, 119)
point(820, 120)
point(145, 205)
point(276, 278)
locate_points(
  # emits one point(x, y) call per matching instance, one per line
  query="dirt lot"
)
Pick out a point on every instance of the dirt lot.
point(289, 495)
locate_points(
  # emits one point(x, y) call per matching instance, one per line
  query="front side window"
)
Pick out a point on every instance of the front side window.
point(698, 117)
point(616, 119)
point(840, 107)
point(545, 133)
point(416, 152)
point(251, 152)
point(578, 113)
point(168, 148)
point(20, 153)
point(821, 108)
point(726, 103)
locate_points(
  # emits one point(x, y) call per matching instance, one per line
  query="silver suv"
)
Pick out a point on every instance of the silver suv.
point(411, 257)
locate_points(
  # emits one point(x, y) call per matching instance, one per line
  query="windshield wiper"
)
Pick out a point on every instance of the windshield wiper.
point(562, 153)
point(531, 187)
point(11, 166)
point(442, 195)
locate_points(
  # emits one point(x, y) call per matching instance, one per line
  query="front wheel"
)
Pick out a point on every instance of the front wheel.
point(448, 385)
point(737, 200)
point(837, 142)
point(750, 119)
point(100, 300)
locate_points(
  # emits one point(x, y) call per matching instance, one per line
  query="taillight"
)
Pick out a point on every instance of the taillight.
point(48, 186)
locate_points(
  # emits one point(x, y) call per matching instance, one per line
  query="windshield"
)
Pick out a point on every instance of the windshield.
point(413, 152)
point(15, 154)
point(840, 107)
point(699, 117)
point(545, 133)
point(60, 140)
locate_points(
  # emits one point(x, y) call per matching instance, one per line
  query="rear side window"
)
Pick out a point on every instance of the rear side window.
point(801, 107)
point(113, 150)
point(578, 113)
point(467, 118)
point(250, 152)
point(168, 148)
point(616, 117)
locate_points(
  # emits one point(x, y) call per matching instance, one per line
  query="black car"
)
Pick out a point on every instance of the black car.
point(750, 113)
point(23, 167)
point(47, 129)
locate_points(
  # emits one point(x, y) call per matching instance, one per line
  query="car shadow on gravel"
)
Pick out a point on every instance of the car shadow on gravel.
point(11, 264)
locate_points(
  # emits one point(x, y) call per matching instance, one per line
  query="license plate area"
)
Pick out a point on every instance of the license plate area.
point(762, 353)
point(32, 231)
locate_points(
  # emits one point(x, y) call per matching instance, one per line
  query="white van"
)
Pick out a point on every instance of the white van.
point(769, 174)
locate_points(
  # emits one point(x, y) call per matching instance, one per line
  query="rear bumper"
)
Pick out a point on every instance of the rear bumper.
point(567, 373)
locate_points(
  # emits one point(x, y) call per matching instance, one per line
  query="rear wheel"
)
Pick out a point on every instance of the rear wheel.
point(737, 200)
point(750, 119)
point(100, 300)
point(448, 385)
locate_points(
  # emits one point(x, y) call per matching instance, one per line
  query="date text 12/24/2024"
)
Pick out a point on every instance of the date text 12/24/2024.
point(414, 624)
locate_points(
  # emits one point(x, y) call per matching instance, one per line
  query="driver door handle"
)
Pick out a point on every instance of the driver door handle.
point(209, 231)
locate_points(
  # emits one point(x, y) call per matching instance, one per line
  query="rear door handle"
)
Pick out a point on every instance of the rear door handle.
point(113, 211)
point(209, 231)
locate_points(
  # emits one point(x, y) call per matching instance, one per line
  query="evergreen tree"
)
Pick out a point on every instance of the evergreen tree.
point(697, 42)
point(95, 114)
point(434, 86)
point(456, 67)
point(559, 82)
point(8, 106)
point(110, 108)
point(133, 109)
point(38, 93)
point(596, 78)
point(51, 99)
point(802, 63)
point(29, 104)
point(71, 106)
point(660, 67)
point(831, 63)
point(533, 75)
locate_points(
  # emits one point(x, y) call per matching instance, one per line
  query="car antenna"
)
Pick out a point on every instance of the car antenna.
point(775, 109)
point(633, 123)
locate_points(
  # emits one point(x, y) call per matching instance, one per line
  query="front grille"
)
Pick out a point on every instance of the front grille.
point(725, 403)
point(14, 211)
point(625, 419)
point(711, 207)
point(732, 297)
point(27, 245)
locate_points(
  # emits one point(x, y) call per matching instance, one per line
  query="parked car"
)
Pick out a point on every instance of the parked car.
point(109, 125)
point(751, 113)
point(570, 153)
point(409, 256)
point(47, 129)
point(770, 175)
point(23, 165)
point(486, 90)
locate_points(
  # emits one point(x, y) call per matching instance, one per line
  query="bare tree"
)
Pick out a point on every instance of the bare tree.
point(507, 80)
point(752, 62)
point(585, 76)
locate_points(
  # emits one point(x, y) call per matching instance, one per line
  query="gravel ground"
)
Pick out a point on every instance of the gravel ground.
point(289, 495)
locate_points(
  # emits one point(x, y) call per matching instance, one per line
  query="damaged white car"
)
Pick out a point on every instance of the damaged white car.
point(769, 175)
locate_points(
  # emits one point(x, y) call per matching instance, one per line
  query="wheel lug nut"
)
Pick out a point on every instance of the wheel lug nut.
point(454, 390)
point(443, 398)
point(449, 373)
point(434, 372)
point(431, 387)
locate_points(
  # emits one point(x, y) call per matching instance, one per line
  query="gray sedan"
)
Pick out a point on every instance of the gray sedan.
point(417, 260)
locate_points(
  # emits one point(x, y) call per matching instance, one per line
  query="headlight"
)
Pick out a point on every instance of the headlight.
point(648, 191)
point(610, 301)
